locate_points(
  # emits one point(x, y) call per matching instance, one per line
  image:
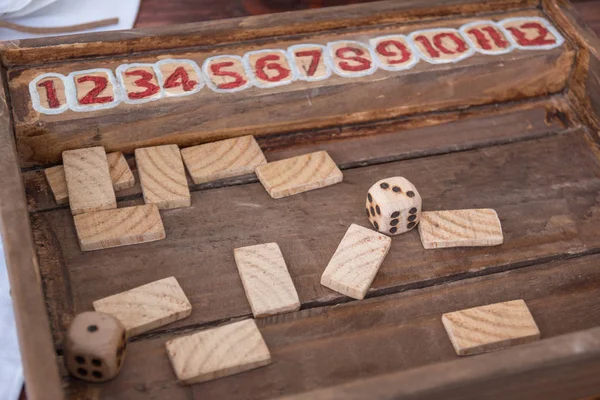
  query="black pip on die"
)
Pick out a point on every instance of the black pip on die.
point(95, 346)
point(393, 205)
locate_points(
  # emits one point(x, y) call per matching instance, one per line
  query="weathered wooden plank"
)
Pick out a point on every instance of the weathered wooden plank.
point(35, 340)
point(208, 115)
point(50, 49)
point(584, 83)
point(325, 346)
point(435, 133)
point(544, 195)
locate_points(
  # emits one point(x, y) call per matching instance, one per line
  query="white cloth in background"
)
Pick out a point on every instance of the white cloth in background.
point(11, 373)
point(73, 12)
point(54, 13)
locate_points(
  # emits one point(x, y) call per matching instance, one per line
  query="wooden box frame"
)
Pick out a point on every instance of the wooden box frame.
point(565, 366)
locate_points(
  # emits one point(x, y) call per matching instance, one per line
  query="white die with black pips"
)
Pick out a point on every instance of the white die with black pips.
point(393, 205)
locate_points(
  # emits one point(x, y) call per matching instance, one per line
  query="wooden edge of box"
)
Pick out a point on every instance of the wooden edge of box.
point(44, 50)
point(39, 360)
point(587, 64)
point(562, 360)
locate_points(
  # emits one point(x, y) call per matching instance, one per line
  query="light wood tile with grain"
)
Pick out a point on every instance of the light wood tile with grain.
point(223, 159)
point(218, 352)
point(58, 183)
point(454, 228)
point(491, 327)
point(88, 180)
point(119, 227)
point(120, 173)
point(356, 261)
point(148, 306)
point(267, 282)
point(299, 174)
point(162, 176)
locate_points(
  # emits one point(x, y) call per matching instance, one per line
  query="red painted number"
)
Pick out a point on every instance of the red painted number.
point(386, 49)
point(269, 63)
point(144, 82)
point(483, 41)
point(315, 58)
point(180, 77)
point(217, 70)
point(92, 97)
point(438, 45)
point(539, 40)
point(353, 54)
point(50, 93)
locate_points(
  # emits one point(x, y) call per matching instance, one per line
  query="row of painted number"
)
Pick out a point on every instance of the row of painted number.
point(96, 89)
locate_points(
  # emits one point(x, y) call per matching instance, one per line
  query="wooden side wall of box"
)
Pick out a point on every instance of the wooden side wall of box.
point(37, 349)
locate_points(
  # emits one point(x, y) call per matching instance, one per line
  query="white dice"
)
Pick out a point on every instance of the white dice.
point(393, 205)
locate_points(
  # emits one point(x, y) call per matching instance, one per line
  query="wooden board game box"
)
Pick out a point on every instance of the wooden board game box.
point(481, 104)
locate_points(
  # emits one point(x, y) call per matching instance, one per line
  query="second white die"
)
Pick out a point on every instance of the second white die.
point(393, 205)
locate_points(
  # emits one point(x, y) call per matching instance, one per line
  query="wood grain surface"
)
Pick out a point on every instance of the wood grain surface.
point(267, 282)
point(120, 174)
point(299, 174)
point(162, 176)
point(88, 180)
point(119, 227)
point(218, 352)
point(301, 106)
point(456, 228)
point(490, 327)
point(147, 307)
point(545, 185)
point(223, 159)
point(555, 225)
point(55, 176)
point(356, 261)
point(329, 345)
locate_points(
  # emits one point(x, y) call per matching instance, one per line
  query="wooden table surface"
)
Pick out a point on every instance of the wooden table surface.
point(160, 12)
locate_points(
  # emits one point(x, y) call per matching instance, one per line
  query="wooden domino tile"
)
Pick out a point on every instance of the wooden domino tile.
point(162, 176)
point(454, 228)
point(148, 306)
point(356, 261)
point(223, 159)
point(299, 174)
point(119, 227)
point(88, 180)
point(492, 327)
point(218, 352)
point(266, 280)
point(120, 173)
point(58, 183)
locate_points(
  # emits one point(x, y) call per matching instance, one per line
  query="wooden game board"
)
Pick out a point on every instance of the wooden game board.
point(509, 125)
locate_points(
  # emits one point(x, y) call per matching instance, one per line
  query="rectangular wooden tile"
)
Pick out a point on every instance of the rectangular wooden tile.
point(119, 227)
point(120, 173)
point(299, 174)
point(58, 183)
point(218, 352)
point(492, 327)
point(454, 228)
point(148, 306)
point(162, 176)
point(88, 180)
point(267, 282)
point(223, 159)
point(356, 261)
